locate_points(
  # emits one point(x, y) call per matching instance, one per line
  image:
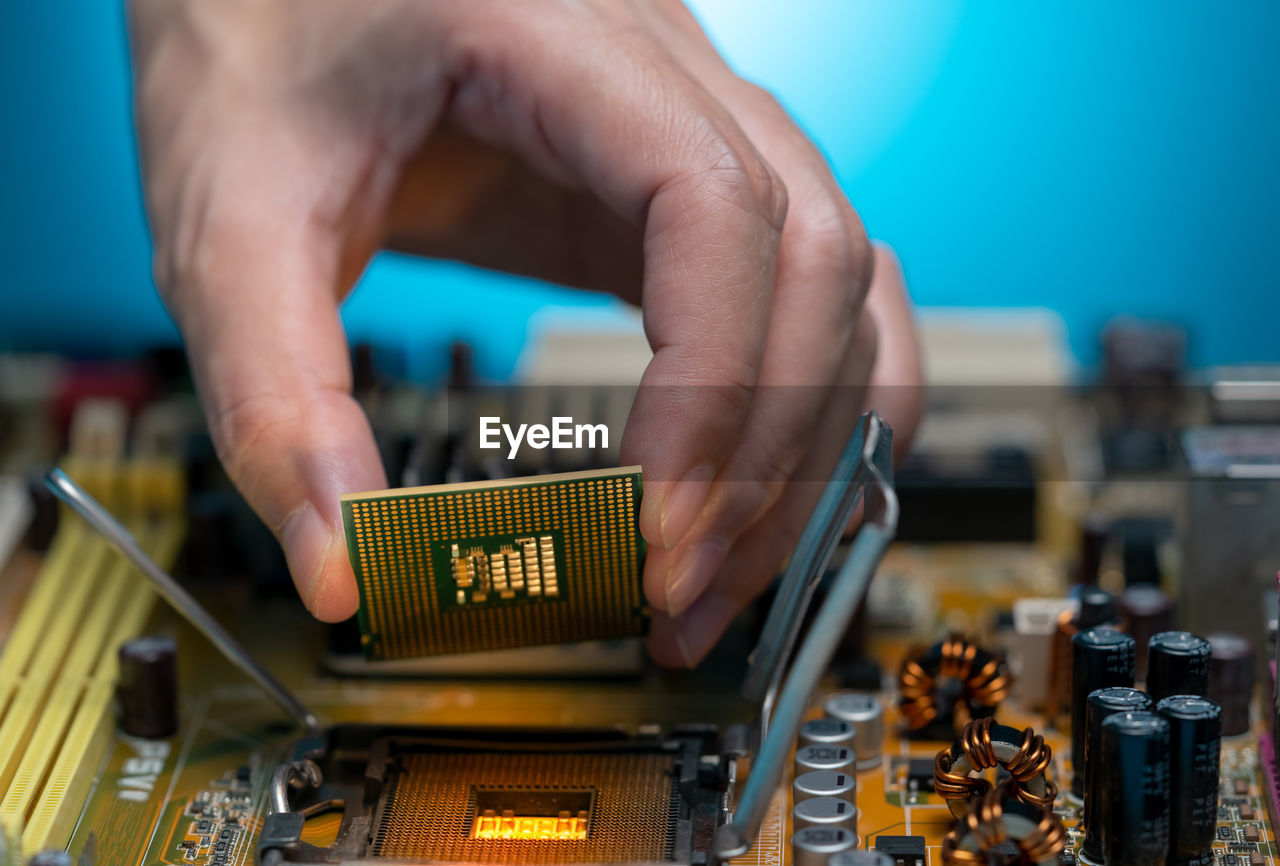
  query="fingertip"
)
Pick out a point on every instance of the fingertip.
point(657, 565)
point(666, 645)
point(317, 559)
point(697, 566)
point(335, 596)
point(684, 641)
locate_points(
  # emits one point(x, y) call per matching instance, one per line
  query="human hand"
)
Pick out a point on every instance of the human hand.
point(599, 144)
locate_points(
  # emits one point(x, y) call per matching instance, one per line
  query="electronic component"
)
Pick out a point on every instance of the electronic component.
point(1231, 667)
point(1095, 532)
point(1135, 801)
point(1229, 549)
point(825, 812)
point(147, 693)
point(837, 759)
point(497, 564)
point(954, 673)
point(905, 850)
point(827, 732)
point(1195, 741)
point(866, 714)
point(1177, 664)
point(984, 744)
point(1100, 657)
point(822, 783)
point(499, 795)
point(815, 846)
point(1035, 624)
point(919, 774)
point(1102, 704)
point(1146, 611)
point(1097, 608)
point(1001, 827)
point(861, 857)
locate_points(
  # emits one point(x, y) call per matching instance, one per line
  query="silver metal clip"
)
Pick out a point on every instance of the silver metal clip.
point(113, 531)
point(864, 474)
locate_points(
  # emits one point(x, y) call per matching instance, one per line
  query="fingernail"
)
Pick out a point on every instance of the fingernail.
point(683, 504)
point(306, 539)
point(693, 573)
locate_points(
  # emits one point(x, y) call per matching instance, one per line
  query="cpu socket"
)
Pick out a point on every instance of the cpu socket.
point(436, 795)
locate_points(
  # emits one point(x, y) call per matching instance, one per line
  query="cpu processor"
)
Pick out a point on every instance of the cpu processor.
point(498, 564)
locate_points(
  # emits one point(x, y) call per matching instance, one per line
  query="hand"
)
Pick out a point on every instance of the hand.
point(600, 144)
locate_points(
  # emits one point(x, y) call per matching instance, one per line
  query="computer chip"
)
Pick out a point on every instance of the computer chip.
point(497, 564)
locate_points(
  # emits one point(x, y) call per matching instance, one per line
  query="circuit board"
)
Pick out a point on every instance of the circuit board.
point(536, 737)
point(202, 793)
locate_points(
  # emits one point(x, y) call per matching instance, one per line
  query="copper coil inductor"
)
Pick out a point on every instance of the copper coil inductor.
point(999, 815)
point(953, 675)
point(984, 744)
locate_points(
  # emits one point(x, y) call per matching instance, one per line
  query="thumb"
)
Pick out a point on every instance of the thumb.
point(271, 363)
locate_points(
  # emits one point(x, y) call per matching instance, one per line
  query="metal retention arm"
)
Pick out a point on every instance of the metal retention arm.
point(113, 531)
point(864, 473)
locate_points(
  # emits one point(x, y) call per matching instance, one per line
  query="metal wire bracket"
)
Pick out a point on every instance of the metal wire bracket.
point(97, 516)
point(864, 474)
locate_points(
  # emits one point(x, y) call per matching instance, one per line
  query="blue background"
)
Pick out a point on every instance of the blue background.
point(1091, 157)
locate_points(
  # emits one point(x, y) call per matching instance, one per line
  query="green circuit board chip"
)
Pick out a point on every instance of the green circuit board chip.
point(497, 564)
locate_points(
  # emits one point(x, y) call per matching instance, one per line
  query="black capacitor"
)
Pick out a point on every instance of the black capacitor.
point(1177, 664)
point(1102, 704)
point(1147, 610)
point(1097, 608)
point(148, 690)
point(1135, 790)
point(1195, 743)
point(1095, 530)
point(1231, 672)
point(1100, 657)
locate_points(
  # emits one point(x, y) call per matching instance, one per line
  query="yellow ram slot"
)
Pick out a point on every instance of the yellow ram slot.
point(162, 544)
point(62, 798)
point(51, 648)
point(42, 605)
point(90, 643)
point(87, 742)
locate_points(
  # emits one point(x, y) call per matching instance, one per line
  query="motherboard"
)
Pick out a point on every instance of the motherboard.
point(1052, 663)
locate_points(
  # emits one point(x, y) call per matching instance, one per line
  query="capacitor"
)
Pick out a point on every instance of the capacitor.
point(866, 714)
point(861, 857)
point(1177, 664)
point(1101, 704)
point(1100, 658)
point(823, 783)
point(147, 693)
point(827, 732)
point(1231, 672)
point(825, 812)
point(1135, 789)
point(838, 759)
point(814, 846)
point(1096, 608)
point(1195, 743)
point(1095, 530)
point(1147, 610)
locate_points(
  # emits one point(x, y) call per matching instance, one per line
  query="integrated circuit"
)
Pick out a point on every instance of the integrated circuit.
point(497, 564)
